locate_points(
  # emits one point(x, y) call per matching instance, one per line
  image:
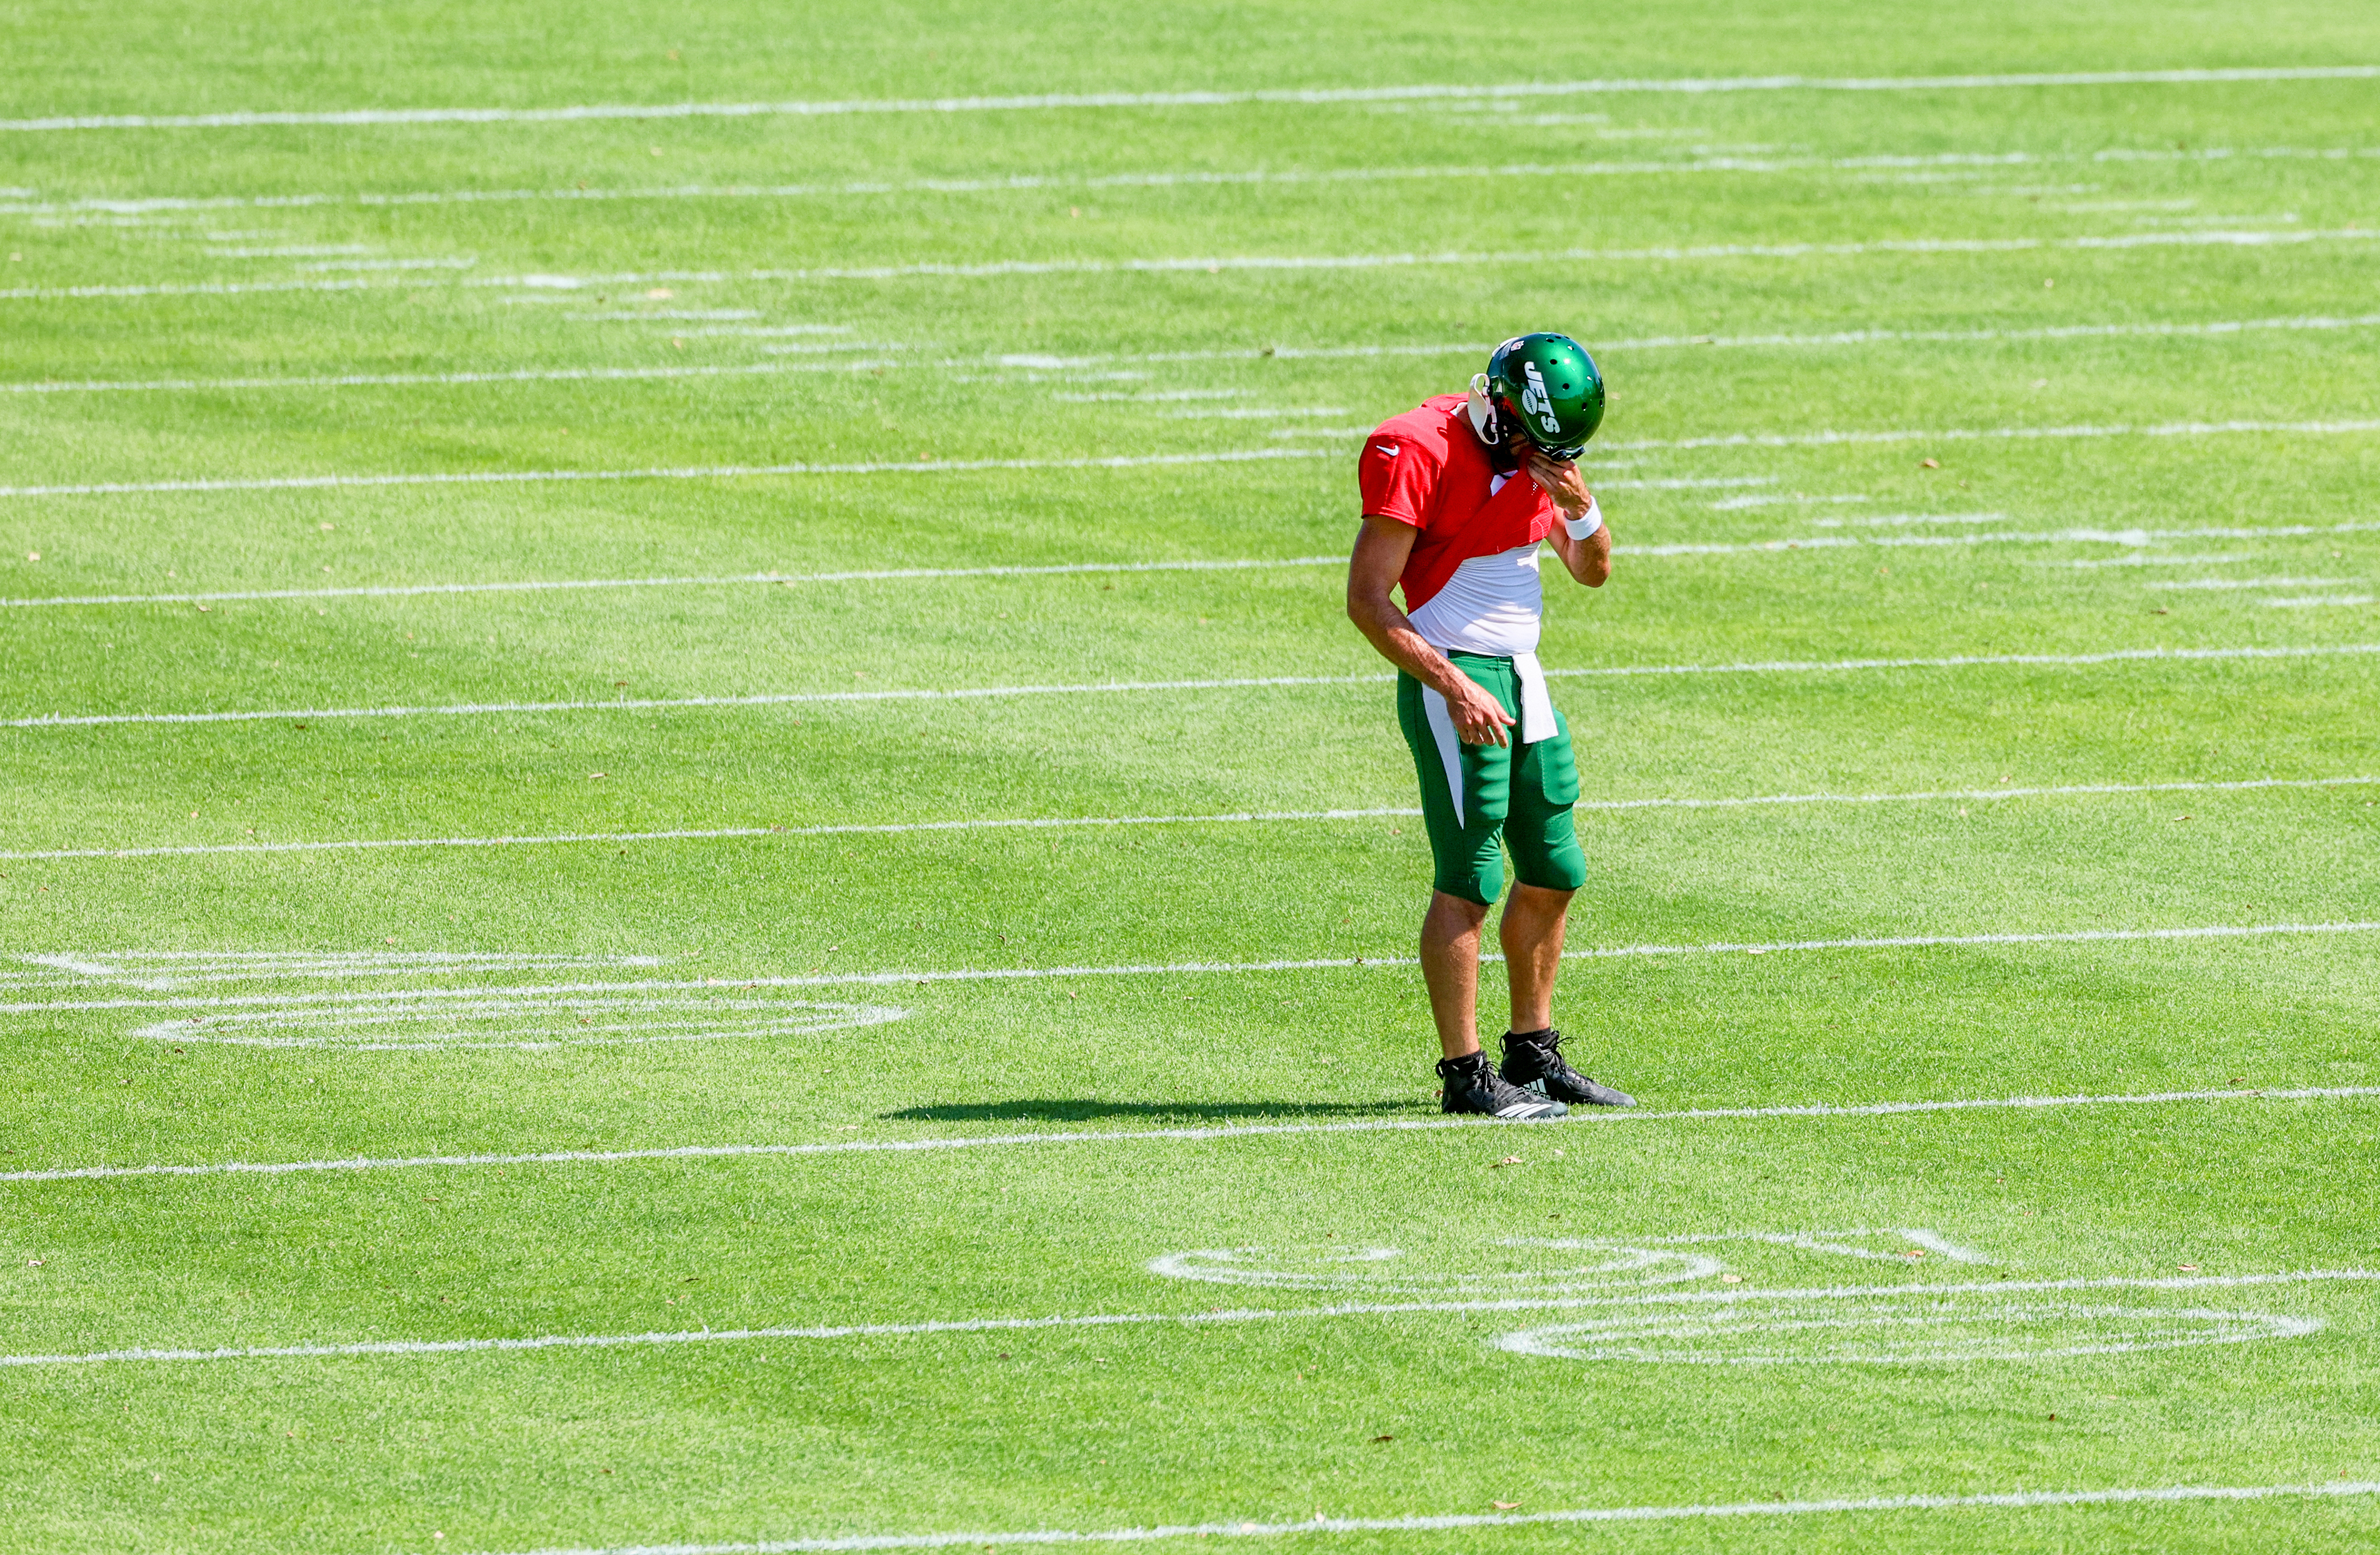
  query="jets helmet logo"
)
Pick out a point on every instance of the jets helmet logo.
point(1535, 401)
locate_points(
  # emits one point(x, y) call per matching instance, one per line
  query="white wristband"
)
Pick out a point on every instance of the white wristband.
point(1586, 523)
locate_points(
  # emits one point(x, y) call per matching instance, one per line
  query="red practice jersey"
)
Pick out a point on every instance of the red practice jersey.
point(1426, 467)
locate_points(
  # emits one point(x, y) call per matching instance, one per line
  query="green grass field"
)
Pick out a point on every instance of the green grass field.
point(694, 854)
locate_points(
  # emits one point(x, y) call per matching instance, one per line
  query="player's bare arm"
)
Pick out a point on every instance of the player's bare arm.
point(1381, 550)
point(1589, 558)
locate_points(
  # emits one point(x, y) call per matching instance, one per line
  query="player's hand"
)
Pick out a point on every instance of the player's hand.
point(1479, 719)
point(1559, 480)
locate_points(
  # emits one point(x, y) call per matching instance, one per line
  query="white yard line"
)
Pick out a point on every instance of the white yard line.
point(1222, 263)
point(1969, 434)
point(1969, 795)
point(921, 978)
point(1192, 969)
point(1324, 96)
point(400, 380)
point(1142, 461)
point(2220, 583)
point(2221, 328)
point(1224, 1131)
point(702, 472)
point(1232, 1318)
point(793, 698)
point(884, 575)
point(788, 579)
point(1029, 183)
point(2162, 1495)
point(2208, 561)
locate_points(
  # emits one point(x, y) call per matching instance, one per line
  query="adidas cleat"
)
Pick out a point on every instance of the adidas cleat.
point(1533, 1063)
point(1476, 1088)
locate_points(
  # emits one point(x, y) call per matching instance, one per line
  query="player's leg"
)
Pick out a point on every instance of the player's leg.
point(1530, 934)
point(1464, 795)
point(1450, 970)
point(1549, 867)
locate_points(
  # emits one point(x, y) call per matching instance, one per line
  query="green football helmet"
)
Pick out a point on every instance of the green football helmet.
point(1548, 387)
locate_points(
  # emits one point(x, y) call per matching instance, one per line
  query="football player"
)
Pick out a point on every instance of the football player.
point(1458, 496)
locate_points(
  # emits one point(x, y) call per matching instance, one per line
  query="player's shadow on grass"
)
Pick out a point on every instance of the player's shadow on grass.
point(1081, 1109)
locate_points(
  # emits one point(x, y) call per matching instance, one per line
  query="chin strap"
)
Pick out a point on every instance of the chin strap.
point(1484, 420)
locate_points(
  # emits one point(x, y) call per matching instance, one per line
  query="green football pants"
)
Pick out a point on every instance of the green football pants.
point(1477, 800)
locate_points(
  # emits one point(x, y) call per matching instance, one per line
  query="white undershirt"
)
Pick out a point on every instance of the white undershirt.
point(1492, 604)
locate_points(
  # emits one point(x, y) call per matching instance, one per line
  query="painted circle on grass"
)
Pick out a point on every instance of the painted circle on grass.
point(516, 1018)
point(1510, 1267)
point(1914, 1330)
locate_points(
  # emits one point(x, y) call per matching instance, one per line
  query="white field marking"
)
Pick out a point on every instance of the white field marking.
point(2253, 583)
point(1970, 434)
point(1312, 96)
point(2153, 561)
point(1251, 354)
point(1726, 1298)
point(1890, 1333)
point(454, 264)
point(1667, 254)
point(1151, 397)
point(1254, 412)
point(1219, 264)
point(821, 349)
point(2316, 601)
point(1670, 342)
point(1231, 968)
point(394, 590)
point(779, 331)
point(1144, 461)
point(1425, 1523)
point(1611, 1263)
point(1732, 505)
point(2004, 536)
point(1840, 1242)
point(1228, 1131)
point(619, 315)
point(206, 288)
point(168, 969)
point(701, 473)
point(1882, 520)
point(2109, 537)
point(294, 251)
point(1039, 823)
point(400, 380)
point(803, 699)
point(788, 579)
point(388, 1022)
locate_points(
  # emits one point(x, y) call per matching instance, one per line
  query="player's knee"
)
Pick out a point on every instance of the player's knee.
point(1561, 868)
point(1476, 882)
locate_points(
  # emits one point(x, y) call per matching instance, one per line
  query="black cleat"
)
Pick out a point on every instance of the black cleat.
point(1476, 1088)
point(1534, 1063)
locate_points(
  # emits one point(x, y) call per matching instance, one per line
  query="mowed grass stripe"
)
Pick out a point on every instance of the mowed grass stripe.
point(787, 698)
point(2213, 329)
point(1221, 264)
point(1221, 1131)
point(1028, 183)
point(2343, 428)
point(2126, 536)
point(1231, 1317)
point(2163, 1495)
point(922, 976)
point(1229, 818)
point(1305, 96)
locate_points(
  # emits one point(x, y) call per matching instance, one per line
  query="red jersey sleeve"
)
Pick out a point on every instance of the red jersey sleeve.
point(1397, 473)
